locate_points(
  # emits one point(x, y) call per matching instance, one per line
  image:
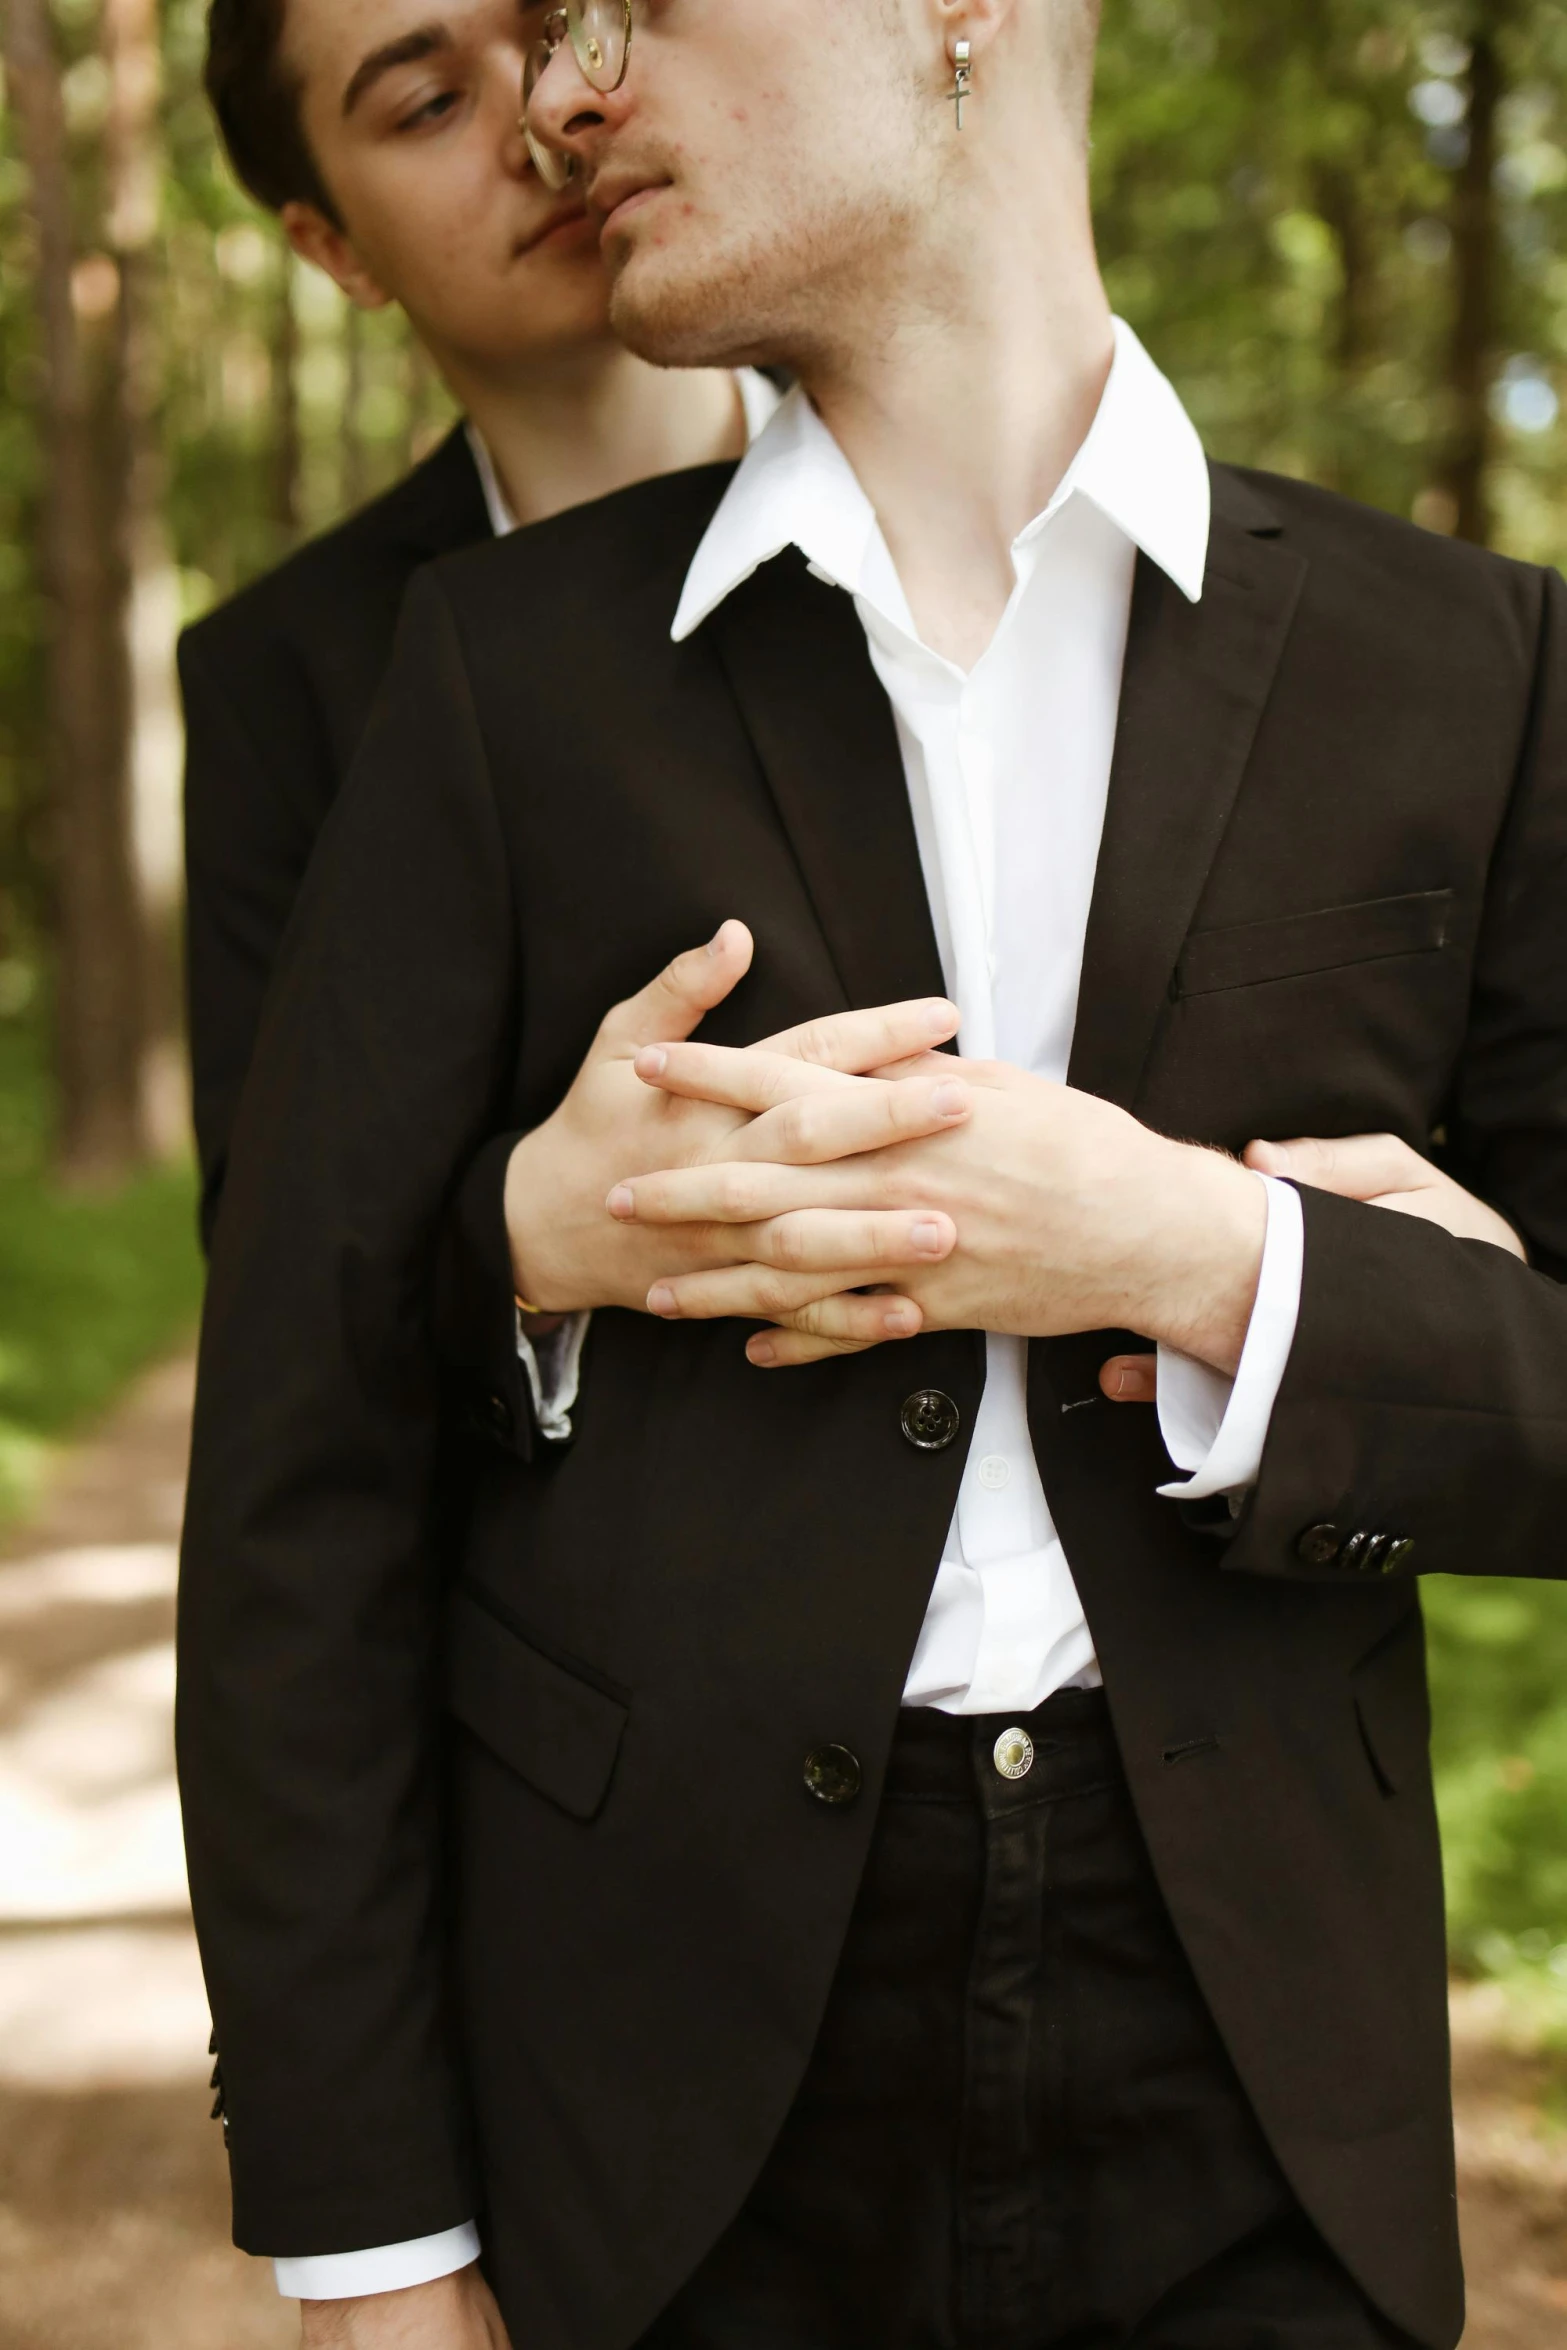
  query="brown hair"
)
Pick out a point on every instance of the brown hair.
point(256, 99)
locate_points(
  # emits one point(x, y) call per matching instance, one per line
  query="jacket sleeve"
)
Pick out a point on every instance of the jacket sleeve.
point(475, 1309)
point(1425, 1398)
point(307, 1714)
point(253, 808)
point(258, 786)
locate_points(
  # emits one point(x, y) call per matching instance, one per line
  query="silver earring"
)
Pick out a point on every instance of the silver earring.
point(962, 76)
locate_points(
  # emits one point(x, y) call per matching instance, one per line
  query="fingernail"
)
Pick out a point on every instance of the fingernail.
point(899, 1321)
point(622, 1200)
point(661, 1298)
point(652, 1061)
point(927, 1237)
point(1120, 1384)
point(949, 1101)
point(761, 1351)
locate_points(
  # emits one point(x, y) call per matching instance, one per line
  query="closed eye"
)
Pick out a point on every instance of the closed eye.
point(432, 110)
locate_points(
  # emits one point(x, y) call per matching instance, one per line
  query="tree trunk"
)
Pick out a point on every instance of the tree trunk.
point(98, 942)
point(133, 171)
point(1477, 262)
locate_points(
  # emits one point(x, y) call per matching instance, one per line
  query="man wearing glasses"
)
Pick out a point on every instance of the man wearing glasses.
point(929, 1862)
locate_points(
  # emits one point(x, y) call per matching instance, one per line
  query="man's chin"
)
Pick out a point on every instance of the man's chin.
point(672, 313)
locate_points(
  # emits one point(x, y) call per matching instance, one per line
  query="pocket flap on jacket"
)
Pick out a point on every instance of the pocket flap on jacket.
point(1247, 953)
point(553, 1728)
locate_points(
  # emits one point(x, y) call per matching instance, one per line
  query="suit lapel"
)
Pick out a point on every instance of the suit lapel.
point(796, 660)
point(1196, 680)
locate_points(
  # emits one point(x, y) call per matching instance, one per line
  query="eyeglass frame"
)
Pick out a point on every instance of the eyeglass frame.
point(555, 31)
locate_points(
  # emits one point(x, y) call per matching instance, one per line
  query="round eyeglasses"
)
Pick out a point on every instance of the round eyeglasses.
point(600, 35)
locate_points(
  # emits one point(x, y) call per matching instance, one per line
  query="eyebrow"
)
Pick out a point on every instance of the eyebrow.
point(424, 41)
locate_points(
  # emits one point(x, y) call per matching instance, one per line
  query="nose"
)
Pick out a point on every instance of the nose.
point(567, 112)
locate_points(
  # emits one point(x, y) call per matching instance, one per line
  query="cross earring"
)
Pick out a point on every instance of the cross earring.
point(962, 75)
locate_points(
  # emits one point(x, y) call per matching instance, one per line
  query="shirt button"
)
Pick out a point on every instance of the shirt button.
point(995, 1470)
point(1013, 1754)
point(929, 1419)
point(832, 1774)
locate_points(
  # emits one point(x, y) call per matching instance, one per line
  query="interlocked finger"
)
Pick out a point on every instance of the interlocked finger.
point(814, 1128)
point(848, 1246)
point(766, 1293)
point(841, 1325)
point(751, 1080)
point(857, 1041)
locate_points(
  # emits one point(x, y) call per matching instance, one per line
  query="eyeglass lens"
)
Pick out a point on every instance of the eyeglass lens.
point(601, 39)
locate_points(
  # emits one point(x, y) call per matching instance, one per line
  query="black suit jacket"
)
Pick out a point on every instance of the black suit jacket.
point(277, 685)
point(576, 1985)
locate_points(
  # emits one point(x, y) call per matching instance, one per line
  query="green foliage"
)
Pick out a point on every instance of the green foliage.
point(1498, 1663)
point(91, 1287)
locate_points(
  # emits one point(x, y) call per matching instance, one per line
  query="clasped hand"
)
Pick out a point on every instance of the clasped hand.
point(846, 1184)
point(970, 1194)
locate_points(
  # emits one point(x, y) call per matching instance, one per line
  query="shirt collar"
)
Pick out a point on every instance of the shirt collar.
point(1142, 465)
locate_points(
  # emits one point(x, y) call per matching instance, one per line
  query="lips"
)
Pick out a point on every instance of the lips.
point(563, 217)
point(610, 195)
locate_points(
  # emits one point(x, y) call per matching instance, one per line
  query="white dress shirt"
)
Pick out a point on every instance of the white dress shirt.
point(1008, 772)
point(1008, 768)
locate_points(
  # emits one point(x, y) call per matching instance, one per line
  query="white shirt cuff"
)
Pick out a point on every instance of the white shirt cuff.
point(554, 1366)
point(1215, 1427)
point(386, 2268)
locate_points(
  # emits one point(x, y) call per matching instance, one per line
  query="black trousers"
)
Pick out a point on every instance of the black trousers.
point(1019, 2129)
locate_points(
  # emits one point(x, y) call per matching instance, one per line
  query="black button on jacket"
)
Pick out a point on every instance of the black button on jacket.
point(594, 1909)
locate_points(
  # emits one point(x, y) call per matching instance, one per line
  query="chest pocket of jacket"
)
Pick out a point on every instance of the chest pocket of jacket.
point(1247, 954)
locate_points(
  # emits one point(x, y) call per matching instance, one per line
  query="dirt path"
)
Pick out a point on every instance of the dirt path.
point(113, 2191)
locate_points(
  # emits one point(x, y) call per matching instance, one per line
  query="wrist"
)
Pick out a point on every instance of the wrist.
point(1210, 1222)
point(535, 1271)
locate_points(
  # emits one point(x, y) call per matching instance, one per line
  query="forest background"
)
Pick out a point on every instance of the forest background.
point(1339, 225)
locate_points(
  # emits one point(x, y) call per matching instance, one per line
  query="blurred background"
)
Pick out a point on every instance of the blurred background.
point(1341, 225)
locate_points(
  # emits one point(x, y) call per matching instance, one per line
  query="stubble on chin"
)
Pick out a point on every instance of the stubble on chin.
point(764, 299)
point(690, 309)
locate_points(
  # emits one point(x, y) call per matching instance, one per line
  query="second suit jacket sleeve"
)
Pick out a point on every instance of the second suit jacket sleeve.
point(309, 1611)
point(1426, 1392)
point(260, 778)
point(254, 802)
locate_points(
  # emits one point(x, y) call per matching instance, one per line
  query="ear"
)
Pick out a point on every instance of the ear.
point(975, 21)
point(322, 243)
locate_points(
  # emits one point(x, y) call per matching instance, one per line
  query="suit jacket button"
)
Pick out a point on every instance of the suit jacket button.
point(497, 1412)
point(1397, 1553)
point(832, 1774)
point(930, 1420)
point(1318, 1546)
point(1357, 1552)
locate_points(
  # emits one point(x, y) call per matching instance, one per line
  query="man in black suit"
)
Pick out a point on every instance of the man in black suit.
point(385, 136)
point(797, 1945)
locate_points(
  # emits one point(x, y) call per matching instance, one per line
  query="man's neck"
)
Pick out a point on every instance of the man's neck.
point(593, 422)
point(963, 415)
